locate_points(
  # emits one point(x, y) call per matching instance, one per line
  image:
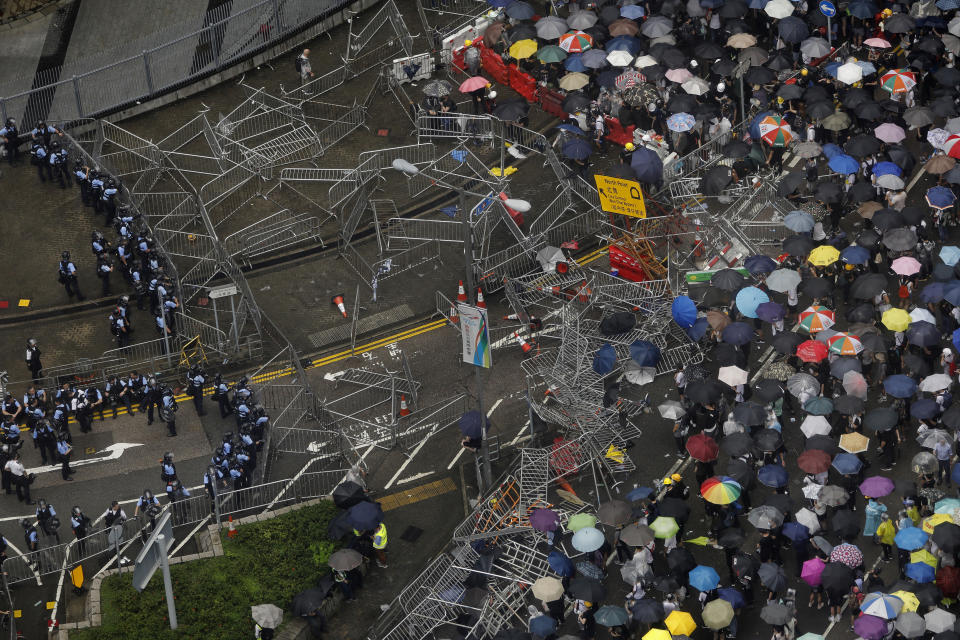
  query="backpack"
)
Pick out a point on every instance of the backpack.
point(298, 63)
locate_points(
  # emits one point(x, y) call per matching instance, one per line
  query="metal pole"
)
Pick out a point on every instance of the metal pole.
point(829, 33)
point(116, 546)
point(146, 70)
point(3, 109)
point(216, 317)
point(743, 109)
point(234, 330)
point(6, 590)
point(167, 583)
point(212, 473)
point(166, 337)
point(276, 17)
point(76, 95)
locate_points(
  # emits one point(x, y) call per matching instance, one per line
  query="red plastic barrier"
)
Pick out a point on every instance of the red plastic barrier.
point(458, 61)
point(551, 102)
point(616, 132)
point(522, 83)
point(493, 65)
point(628, 268)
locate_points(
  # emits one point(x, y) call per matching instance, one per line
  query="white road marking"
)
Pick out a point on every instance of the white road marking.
point(416, 476)
point(369, 449)
point(460, 452)
point(20, 553)
point(407, 462)
point(113, 452)
point(916, 178)
point(520, 433)
point(794, 161)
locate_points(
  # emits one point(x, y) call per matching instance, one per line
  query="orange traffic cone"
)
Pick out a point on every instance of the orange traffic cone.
point(461, 293)
point(565, 485)
point(454, 316)
point(404, 409)
point(526, 346)
point(338, 301)
point(512, 316)
point(231, 530)
point(480, 301)
point(584, 293)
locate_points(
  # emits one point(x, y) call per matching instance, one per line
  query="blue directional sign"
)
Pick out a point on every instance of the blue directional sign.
point(827, 8)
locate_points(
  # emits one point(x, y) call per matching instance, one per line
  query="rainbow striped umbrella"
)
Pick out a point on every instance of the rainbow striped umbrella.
point(898, 80)
point(720, 490)
point(575, 42)
point(816, 318)
point(775, 131)
point(845, 344)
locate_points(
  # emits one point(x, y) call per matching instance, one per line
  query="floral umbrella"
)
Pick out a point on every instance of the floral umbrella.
point(847, 554)
point(681, 122)
point(898, 81)
point(575, 41)
point(775, 131)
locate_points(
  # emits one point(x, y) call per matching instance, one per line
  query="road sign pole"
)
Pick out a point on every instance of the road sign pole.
point(167, 582)
point(829, 32)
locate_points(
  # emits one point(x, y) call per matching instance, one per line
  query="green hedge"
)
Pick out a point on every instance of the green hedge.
point(265, 562)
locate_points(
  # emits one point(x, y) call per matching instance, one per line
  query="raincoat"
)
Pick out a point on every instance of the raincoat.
point(872, 520)
point(886, 532)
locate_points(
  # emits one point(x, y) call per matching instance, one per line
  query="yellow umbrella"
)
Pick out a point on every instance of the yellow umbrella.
point(824, 255)
point(657, 634)
point(895, 319)
point(924, 556)
point(854, 442)
point(680, 623)
point(910, 602)
point(574, 81)
point(934, 520)
point(523, 49)
point(506, 172)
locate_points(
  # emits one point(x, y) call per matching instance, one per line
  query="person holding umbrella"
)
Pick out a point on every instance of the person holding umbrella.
point(884, 535)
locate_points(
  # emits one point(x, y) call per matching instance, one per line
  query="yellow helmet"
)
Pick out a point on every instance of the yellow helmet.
point(779, 99)
point(887, 13)
point(848, 267)
point(467, 43)
point(667, 481)
point(804, 72)
point(676, 477)
point(629, 146)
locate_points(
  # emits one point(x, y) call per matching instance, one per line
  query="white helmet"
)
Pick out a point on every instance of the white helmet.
point(721, 87)
point(493, 94)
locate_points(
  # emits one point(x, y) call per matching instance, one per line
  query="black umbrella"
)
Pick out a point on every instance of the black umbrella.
point(923, 334)
point(723, 67)
point(788, 184)
point(759, 75)
point(929, 595)
point(707, 392)
point(902, 157)
point(766, 389)
point(307, 602)
point(726, 355)
point(913, 215)
point(848, 405)
point(944, 106)
point(819, 110)
point(749, 413)
point(588, 589)
point(867, 286)
point(739, 333)
point(854, 96)
point(673, 58)
point(609, 14)
point(862, 145)
point(736, 444)
point(863, 312)
point(845, 523)
point(793, 29)
point(666, 584)
point(816, 93)
point(681, 103)
point(707, 111)
point(869, 239)
point(861, 192)
point(793, 92)
point(648, 611)
point(512, 111)
point(740, 470)
point(874, 342)
point(728, 279)
point(674, 508)
point(736, 150)
point(731, 538)
point(575, 102)
point(947, 76)
point(715, 180)
point(798, 245)
point(513, 634)
point(780, 501)
point(836, 576)
point(733, 9)
point(680, 560)
point(869, 110)
point(346, 494)
point(914, 365)
point(768, 440)
point(902, 239)
point(708, 50)
point(951, 417)
point(816, 287)
point(339, 527)
point(786, 342)
point(842, 365)
point(885, 219)
point(779, 62)
point(745, 564)
point(772, 577)
point(821, 443)
point(946, 535)
point(880, 419)
point(828, 192)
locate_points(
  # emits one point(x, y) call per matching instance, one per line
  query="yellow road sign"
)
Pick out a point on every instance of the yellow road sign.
point(621, 196)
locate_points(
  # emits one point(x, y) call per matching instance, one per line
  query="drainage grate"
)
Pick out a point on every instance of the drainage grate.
point(341, 333)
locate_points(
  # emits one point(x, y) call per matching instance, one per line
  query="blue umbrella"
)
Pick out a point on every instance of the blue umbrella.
point(607, 78)
point(574, 62)
point(924, 409)
point(951, 293)
point(572, 128)
point(948, 5)
point(684, 311)
point(632, 11)
point(623, 43)
point(760, 264)
point(773, 475)
point(499, 4)
point(561, 564)
point(884, 168)
point(940, 197)
point(950, 254)
point(542, 626)
point(846, 463)
point(611, 616)
point(738, 333)
point(647, 165)
point(577, 149)
point(842, 163)
point(365, 516)
point(799, 221)
point(736, 599)
point(795, 531)
point(757, 4)
point(830, 150)
point(595, 59)
point(855, 254)
point(711, 4)
point(770, 312)
point(645, 353)
point(933, 292)
point(520, 10)
point(910, 539)
point(831, 68)
point(749, 298)
point(755, 124)
point(471, 424)
point(955, 474)
point(605, 360)
point(920, 572)
point(639, 493)
point(699, 329)
point(900, 386)
point(955, 338)
point(704, 578)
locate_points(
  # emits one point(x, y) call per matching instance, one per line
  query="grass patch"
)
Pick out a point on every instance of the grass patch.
point(268, 561)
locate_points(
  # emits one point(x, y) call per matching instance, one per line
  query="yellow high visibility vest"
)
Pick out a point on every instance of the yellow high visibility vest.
point(380, 537)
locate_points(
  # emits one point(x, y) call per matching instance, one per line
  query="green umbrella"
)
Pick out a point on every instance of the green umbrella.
point(664, 527)
point(836, 121)
point(551, 53)
point(810, 636)
point(717, 614)
point(581, 521)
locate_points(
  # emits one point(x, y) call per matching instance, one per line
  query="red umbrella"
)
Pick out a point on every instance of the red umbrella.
point(703, 448)
point(948, 579)
point(814, 461)
point(812, 351)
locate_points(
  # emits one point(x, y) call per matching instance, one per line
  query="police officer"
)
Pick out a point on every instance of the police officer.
point(57, 162)
point(97, 401)
point(221, 393)
point(39, 158)
point(68, 276)
point(238, 474)
point(44, 132)
point(45, 439)
point(96, 190)
point(61, 415)
point(104, 269)
point(139, 286)
point(32, 541)
point(114, 515)
point(241, 408)
point(168, 470)
point(119, 329)
point(34, 413)
point(109, 200)
point(47, 519)
point(168, 411)
point(213, 481)
point(80, 524)
point(11, 408)
point(33, 394)
point(260, 426)
point(82, 411)
point(64, 448)
point(176, 490)
point(33, 360)
point(195, 381)
point(11, 140)
point(151, 399)
point(81, 173)
point(18, 475)
point(149, 506)
point(226, 445)
point(248, 445)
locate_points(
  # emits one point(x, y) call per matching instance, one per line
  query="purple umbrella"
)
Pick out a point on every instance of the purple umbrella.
point(876, 487)
point(544, 520)
point(870, 627)
point(770, 312)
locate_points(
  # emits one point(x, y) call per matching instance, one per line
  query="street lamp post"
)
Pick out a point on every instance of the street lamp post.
point(522, 206)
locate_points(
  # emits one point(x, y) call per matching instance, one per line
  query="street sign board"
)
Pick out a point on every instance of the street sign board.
point(621, 196)
point(475, 334)
point(827, 8)
point(223, 291)
point(149, 559)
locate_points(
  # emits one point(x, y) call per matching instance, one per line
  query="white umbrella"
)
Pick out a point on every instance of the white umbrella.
point(635, 374)
point(922, 315)
point(809, 519)
point(619, 58)
point(953, 126)
point(928, 439)
point(952, 43)
point(815, 47)
point(644, 62)
point(671, 410)
point(850, 73)
point(548, 257)
point(267, 616)
point(547, 589)
point(695, 9)
point(938, 136)
point(732, 376)
point(855, 384)
point(811, 490)
point(783, 280)
point(815, 426)
point(696, 86)
point(936, 382)
point(890, 181)
point(778, 9)
point(939, 620)
point(954, 26)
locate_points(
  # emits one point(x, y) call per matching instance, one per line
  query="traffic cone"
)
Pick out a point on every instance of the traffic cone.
point(454, 316)
point(231, 530)
point(404, 409)
point(526, 346)
point(512, 316)
point(584, 293)
point(461, 293)
point(338, 300)
point(480, 301)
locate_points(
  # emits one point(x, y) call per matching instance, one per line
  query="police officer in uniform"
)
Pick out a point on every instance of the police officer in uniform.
point(213, 482)
point(32, 541)
point(33, 360)
point(39, 153)
point(68, 276)
point(149, 506)
point(57, 162)
point(64, 448)
point(151, 399)
point(44, 132)
point(168, 411)
point(109, 199)
point(81, 173)
point(47, 519)
point(80, 524)
point(221, 391)
point(195, 382)
point(104, 269)
point(168, 470)
point(45, 439)
point(11, 140)
point(96, 190)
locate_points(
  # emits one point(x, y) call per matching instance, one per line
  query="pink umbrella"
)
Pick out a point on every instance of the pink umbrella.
point(878, 43)
point(847, 554)
point(474, 83)
point(889, 132)
point(811, 570)
point(855, 384)
point(678, 75)
point(906, 266)
point(876, 486)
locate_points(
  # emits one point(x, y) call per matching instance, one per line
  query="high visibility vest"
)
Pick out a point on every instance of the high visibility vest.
point(380, 537)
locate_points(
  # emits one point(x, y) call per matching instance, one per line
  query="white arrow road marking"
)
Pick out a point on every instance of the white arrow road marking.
point(113, 452)
point(414, 477)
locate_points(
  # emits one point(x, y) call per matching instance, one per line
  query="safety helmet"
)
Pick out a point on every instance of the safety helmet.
point(65, 255)
point(228, 436)
point(168, 456)
point(804, 72)
point(32, 342)
point(779, 99)
point(493, 94)
point(467, 43)
point(111, 183)
point(54, 145)
point(721, 87)
point(174, 484)
point(41, 124)
point(96, 235)
point(25, 523)
point(76, 510)
point(629, 146)
point(147, 494)
point(887, 13)
point(667, 481)
point(41, 504)
point(676, 477)
point(848, 267)
point(11, 122)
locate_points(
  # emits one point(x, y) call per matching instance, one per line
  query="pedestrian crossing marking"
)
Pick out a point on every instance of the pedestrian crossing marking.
point(417, 494)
